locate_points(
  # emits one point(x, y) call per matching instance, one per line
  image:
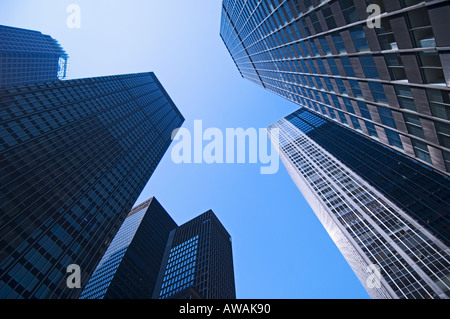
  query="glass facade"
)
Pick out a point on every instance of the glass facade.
point(323, 55)
point(130, 266)
point(179, 274)
point(28, 57)
point(75, 155)
point(379, 207)
point(198, 262)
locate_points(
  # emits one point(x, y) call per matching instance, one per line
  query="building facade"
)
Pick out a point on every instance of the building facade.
point(75, 155)
point(379, 67)
point(130, 266)
point(387, 214)
point(28, 57)
point(198, 262)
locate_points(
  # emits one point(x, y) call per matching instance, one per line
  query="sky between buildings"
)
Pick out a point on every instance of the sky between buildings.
point(280, 248)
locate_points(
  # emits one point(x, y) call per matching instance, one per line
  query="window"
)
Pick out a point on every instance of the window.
point(439, 103)
point(356, 88)
point(341, 86)
point(313, 47)
point(396, 67)
point(443, 132)
point(378, 93)
point(347, 66)
point(348, 105)
point(342, 117)
point(338, 43)
point(369, 66)
point(420, 28)
point(430, 64)
point(315, 22)
point(325, 47)
point(393, 138)
point(446, 160)
point(328, 16)
point(364, 110)
point(421, 150)
point(355, 123)
point(308, 5)
point(333, 67)
point(386, 36)
point(405, 98)
point(359, 39)
point(349, 11)
point(386, 117)
point(321, 66)
point(371, 129)
point(413, 124)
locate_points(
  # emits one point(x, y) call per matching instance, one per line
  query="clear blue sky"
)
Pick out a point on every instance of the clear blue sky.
point(280, 248)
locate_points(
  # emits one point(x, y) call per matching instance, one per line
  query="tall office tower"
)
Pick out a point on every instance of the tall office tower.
point(130, 266)
point(28, 57)
point(383, 210)
point(74, 157)
point(387, 77)
point(198, 262)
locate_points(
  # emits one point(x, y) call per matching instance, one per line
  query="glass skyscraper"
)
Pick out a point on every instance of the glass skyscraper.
point(28, 57)
point(384, 211)
point(387, 77)
point(130, 266)
point(198, 262)
point(75, 155)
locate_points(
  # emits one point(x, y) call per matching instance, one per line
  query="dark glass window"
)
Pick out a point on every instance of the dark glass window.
point(446, 160)
point(420, 28)
point(386, 35)
point(325, 46)
point(371, 129)
point(386, 117)
point(338, 43)
point(329, 17)
point(359, 39)
point(395, 66)
point(333, 66)
point(431, 66)
point(341, 86)
point(356, 88)
point(421, 150)
point(364, 110)
point(393, 138)
point(414, 125)
point(349, 11)
point(378, 93)
point(443, 131)
point(439, 103)
point(405, 98)
point(347, 65)
point(315, 22)
point(369, 66)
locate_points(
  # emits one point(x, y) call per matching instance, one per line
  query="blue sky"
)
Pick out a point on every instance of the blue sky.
point(280, 248)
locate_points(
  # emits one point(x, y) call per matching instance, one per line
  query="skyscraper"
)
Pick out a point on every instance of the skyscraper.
point(198, 262)
point(387, 214)
point(75, 155)
point(28, 57)
point(130, 266)
point(386, 77)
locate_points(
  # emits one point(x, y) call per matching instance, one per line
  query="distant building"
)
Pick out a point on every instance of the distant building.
point(28, 57)
point(198, 262)
point(383, 210)
point(152, 257)
point(390, 82)
point(74, 157)
point(130, 266)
